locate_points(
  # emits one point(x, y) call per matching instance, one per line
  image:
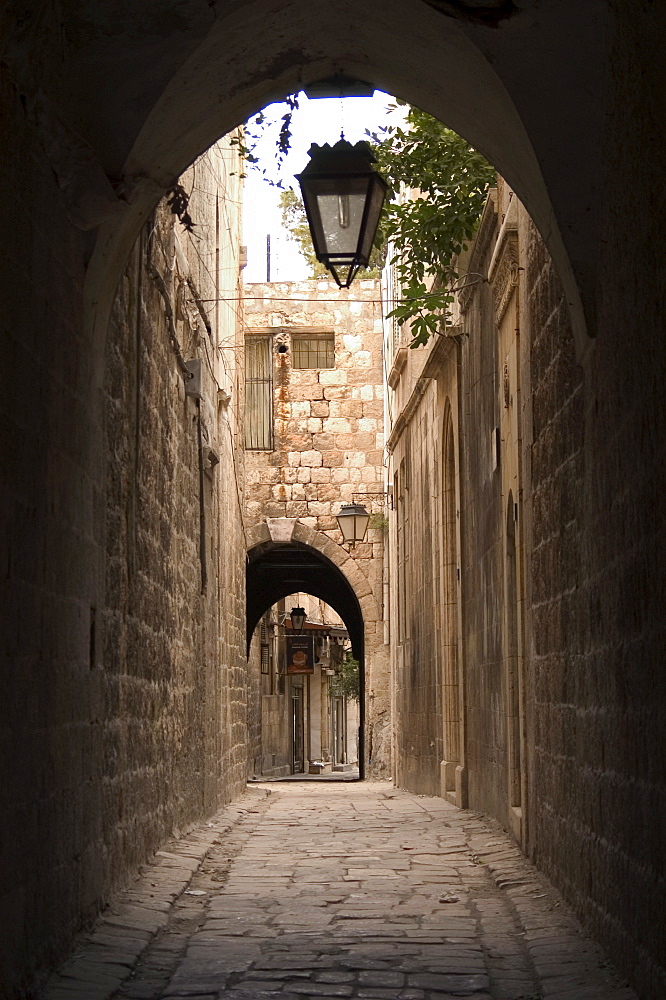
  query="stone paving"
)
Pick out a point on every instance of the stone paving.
point(338, 890)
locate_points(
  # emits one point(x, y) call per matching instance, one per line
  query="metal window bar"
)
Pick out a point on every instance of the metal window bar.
point(265, 645)
point(313, 350)
point(258, 394)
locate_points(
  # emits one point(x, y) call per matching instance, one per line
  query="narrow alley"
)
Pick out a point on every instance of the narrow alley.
point(339, 890)
point(394, 512)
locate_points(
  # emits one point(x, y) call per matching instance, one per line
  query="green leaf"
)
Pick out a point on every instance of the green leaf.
point(449, 181)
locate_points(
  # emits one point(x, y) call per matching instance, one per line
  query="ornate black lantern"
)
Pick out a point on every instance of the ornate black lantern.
point(343, 197)
point(353, 520)
point(298, 616)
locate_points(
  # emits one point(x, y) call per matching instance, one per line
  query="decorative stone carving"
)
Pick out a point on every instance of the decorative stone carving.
point(504, 271)
point(281, 528)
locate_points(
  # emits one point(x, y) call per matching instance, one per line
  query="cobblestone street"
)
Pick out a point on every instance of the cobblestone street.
point(338, 890)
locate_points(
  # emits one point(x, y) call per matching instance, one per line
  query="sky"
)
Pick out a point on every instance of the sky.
point(317, 121)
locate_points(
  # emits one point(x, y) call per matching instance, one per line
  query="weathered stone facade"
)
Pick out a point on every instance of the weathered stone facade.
point(505, 697)
point(424, 540)
point(326, 449)
point(172, 626)
point(104, 113)
point(144, 730)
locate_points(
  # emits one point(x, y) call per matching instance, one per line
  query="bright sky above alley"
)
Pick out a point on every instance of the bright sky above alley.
point(317, 121)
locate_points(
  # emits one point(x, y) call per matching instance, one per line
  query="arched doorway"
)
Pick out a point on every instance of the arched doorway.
point(276, 570)
point(514, 685)
point(451, 681)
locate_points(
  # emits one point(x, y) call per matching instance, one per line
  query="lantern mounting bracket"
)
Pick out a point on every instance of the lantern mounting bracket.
point(386, 496)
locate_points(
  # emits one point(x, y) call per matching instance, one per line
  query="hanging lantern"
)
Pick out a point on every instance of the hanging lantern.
point(343, 197)
point(298, 616)
point(353, 520)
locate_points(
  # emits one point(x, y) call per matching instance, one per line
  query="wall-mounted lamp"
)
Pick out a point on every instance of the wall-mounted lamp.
point(298, 616)
point(353, 521)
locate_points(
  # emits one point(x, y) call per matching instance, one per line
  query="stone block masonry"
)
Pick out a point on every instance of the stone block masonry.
point(52, 542)
point(358, 891)
point(597, 788)
point(324, 418)
point(327, 422)
point(131, 675)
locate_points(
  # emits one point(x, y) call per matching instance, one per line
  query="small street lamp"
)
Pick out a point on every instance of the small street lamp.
point(353, 520)
point(343, 196)
point(298, 616)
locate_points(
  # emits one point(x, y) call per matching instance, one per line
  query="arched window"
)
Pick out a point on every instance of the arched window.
point(513, 700)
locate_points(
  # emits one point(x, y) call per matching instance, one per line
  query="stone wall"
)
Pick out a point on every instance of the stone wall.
point(618, 825)
point(254, 709)
point(173, 625)
point(598, 796)
point(495, 387)
point(482, 559)
point(51, 796)
point(560, 627)
point(125, 709)
point(416, 580)
point(328, 445)
point(461, 418)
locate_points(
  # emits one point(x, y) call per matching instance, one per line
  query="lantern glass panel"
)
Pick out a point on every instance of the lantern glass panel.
point(338, 215)
point(347, 524)
point(361, 526)
point(375, 202)
point(353, 521)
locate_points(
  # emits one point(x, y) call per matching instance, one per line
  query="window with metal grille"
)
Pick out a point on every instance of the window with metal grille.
point(313, 350)
point(265, 646)
point(258, 394)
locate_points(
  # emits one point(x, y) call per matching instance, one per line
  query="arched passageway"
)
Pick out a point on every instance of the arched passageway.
point(277, 569)
point(105, 113)
point(522, 114)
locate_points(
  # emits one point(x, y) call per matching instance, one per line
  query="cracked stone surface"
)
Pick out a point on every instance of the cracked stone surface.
point(350, 890)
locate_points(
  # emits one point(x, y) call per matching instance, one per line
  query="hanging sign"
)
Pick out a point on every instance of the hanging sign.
point(300, 654)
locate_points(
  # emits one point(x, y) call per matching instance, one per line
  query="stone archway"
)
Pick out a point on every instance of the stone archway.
point(284, 530)
point(214, 74)
point(286, 556)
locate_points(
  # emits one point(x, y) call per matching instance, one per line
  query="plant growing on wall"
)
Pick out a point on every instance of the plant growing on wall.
point(437, 189)
point(346, 683)
point(379, 521)
point(447, 182)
